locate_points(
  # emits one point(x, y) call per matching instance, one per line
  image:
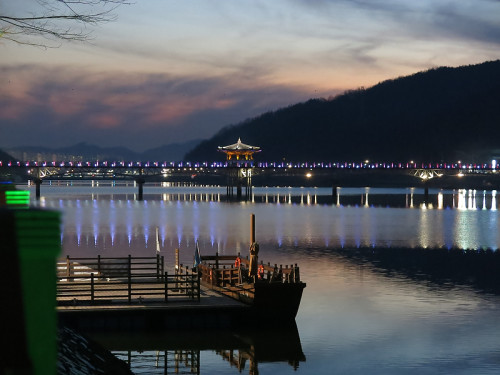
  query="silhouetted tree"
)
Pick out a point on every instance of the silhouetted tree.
point(53, 20)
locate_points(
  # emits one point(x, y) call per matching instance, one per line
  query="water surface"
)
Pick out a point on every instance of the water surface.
point(363, 311)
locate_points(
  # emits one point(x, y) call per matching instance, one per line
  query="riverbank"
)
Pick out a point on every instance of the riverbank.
point(475, 268)
point(80, 355)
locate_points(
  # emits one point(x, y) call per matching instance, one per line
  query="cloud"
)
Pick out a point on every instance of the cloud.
point(63, 105)
point(476, 21)
point(321, 43)
point(386, 20)
point(170, 71)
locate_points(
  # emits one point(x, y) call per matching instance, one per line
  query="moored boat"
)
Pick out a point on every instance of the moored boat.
point(273, 291)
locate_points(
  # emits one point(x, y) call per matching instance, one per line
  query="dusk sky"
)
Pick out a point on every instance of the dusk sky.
point(171, 71)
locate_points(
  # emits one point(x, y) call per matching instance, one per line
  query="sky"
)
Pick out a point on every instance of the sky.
point(171, 71)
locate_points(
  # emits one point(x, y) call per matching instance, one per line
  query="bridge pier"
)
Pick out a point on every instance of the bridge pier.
point(336, 185)
point(140, 185)
point(237, 178)
point(38, 183)
point(335, 196)
point(238, 191)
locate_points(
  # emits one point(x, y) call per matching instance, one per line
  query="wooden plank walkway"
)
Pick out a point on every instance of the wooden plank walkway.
point(208, 298)
point(212, 312)
point(114, 281)
point(100, 296)
point(136, 294)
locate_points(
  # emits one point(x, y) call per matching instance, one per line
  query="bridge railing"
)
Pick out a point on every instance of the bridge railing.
point(74, 166)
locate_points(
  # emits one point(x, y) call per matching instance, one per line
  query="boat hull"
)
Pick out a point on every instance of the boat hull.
point(278, 300)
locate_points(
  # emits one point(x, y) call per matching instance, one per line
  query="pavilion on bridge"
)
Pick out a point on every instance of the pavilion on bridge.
point(239, 152)
point(240, 156)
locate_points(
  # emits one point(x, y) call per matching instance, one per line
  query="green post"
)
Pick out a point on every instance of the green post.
point(38, 245)
point(14, 357)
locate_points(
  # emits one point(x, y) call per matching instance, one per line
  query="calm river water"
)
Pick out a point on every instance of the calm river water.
point(390, 287)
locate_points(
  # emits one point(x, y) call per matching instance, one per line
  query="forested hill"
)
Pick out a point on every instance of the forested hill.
point(5, 156)
point(440, 114)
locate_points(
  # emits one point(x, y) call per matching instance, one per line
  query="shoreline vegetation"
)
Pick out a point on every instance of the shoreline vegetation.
point(477, 268)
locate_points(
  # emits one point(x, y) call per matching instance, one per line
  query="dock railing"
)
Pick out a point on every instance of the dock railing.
point(110, 267)
point(142, 280)
point(226, 270)
point(229, 274)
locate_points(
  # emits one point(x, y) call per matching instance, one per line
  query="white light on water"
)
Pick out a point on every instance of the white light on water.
point(462, 199)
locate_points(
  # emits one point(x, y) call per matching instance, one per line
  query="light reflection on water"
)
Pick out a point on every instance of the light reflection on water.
point(368, 322)
point(357, 315)
point(100, 223)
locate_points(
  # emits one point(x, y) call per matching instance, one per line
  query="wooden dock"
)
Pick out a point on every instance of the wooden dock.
point(136, 293)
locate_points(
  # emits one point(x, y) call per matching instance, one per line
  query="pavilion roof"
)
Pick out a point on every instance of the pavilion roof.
point(239, 146)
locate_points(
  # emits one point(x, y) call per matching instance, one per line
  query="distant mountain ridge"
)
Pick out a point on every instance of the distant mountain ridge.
point(87, 152)
point(440, 114)
point(5, 156)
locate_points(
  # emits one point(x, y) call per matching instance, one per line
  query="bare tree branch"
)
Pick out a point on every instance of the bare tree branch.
point(52, 20)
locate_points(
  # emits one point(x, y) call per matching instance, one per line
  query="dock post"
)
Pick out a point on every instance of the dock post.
point(177, 268)
point(198, 286)
point(129, 279)
point(157, 266)
point(252, 228)
point(99, 264)
point(68, 265)
point(92, 288)
point(297, 274)
point(166, 286)
point(177, 264)
point(192, 285)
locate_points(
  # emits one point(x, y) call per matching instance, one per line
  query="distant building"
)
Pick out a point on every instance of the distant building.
point(239, 151)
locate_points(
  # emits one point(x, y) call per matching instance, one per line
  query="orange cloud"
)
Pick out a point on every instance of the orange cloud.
point(106, 107)
point(170, 109)
point(104, 121)
point(66, 104)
